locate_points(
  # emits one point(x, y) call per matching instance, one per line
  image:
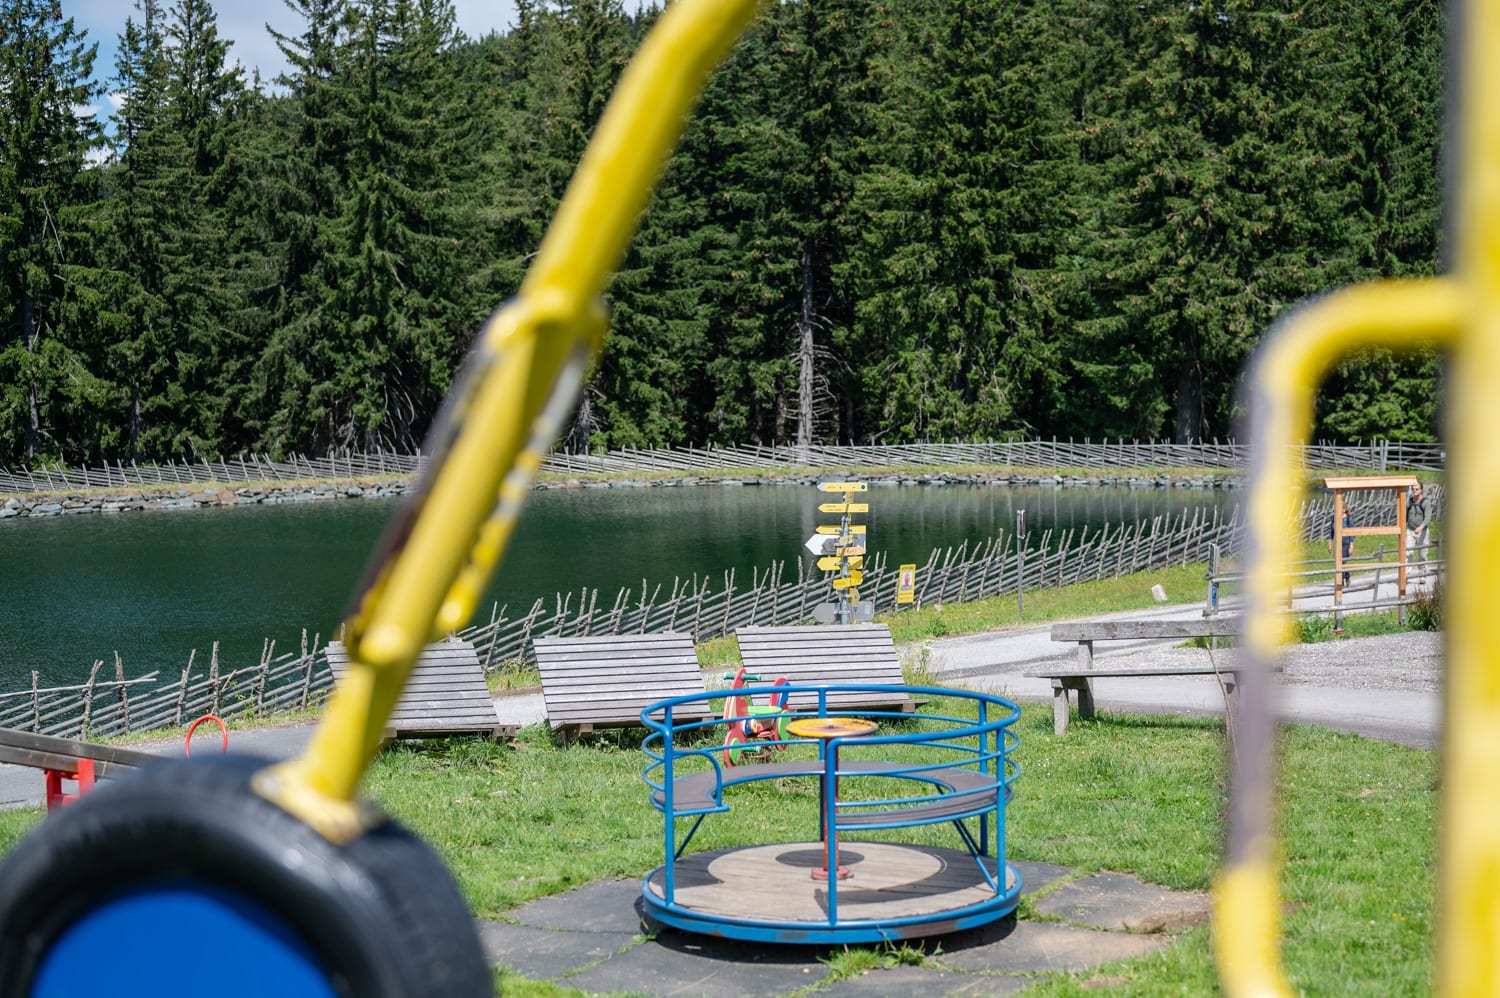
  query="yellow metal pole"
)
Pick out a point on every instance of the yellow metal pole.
point(503, 414)
point(1284, 381)
point(1469, 829)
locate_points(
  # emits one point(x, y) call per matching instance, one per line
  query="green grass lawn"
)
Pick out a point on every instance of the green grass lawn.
point(1139, 795)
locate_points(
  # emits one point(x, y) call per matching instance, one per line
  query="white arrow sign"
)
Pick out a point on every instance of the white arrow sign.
point(821, 544)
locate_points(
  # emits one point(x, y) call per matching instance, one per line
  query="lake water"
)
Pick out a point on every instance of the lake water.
point(153, 586)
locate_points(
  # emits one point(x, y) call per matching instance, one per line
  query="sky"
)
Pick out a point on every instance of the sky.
point(244, 23)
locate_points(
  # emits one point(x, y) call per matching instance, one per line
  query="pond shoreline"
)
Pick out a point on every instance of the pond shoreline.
point(43, 505)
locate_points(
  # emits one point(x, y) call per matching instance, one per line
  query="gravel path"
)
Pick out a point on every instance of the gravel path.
point(1410, 661)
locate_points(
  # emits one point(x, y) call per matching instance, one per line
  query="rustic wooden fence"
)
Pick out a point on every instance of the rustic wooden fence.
point(1119, 456)
point(277, 684)
point(1116, 457)
point(245, 468)
point(782, 593)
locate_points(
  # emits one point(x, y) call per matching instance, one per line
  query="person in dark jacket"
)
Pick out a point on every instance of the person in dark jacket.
point(1348, 543)
point(1418, 516)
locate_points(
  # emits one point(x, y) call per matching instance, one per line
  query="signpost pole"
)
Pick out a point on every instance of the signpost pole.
point(847, 559)
point(1020, 564)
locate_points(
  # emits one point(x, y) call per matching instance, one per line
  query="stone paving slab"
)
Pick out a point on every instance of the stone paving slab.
point(591, 938)
point(607, 905)
point(1121, 902)
point(1017, 947)
point(684, 963)
point(925, 982)
point(547, 954)
point(1035, 876)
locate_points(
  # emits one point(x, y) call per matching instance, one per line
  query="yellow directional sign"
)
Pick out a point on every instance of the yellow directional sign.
point(854, 579)
point(843, 486)
point(834, 564)
point(843, 507)
point(852, 551)
point(834, 528)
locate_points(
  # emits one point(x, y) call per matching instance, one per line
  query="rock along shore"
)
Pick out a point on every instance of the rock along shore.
point(210, 496)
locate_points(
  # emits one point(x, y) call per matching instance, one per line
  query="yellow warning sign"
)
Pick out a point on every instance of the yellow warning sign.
point(906, 583)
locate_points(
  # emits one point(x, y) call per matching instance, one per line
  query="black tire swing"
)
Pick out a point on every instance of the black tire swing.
point(185, 874)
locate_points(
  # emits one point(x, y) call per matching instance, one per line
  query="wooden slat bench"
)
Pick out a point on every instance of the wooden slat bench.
point(828, 655)
point(1079, 677)
point(607, 680)
point(68, 759)
point(445, 694)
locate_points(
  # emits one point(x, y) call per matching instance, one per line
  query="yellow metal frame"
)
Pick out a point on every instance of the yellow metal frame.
point(503, 415)
point(1461, 313)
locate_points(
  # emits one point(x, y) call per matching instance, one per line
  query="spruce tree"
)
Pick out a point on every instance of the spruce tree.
point(1389, 70)
point(1223, 214)
point(302, 159)
point(958, 331)
point(140, 229)
point(48, 360)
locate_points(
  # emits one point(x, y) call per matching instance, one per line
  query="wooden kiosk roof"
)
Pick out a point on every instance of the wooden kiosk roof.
point(1369, 483)
point(1366, 483)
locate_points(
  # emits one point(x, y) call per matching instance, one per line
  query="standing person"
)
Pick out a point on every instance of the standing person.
point(1348, 542)
point(1418, 517)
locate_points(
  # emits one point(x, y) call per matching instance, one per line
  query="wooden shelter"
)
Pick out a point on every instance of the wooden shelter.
point(1340, 486)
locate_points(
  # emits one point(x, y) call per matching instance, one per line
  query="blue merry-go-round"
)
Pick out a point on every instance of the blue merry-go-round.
point(949, 764)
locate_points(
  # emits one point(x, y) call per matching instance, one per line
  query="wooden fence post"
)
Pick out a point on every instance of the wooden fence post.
point(698, 604)
point(526, 627)
point(801, 592)
point(646, 604)
point(260, 680)
point(88, 699)
point(182, 690)
point(728, 600)
point(622, 600)
point(307, 667)
point(124, 692)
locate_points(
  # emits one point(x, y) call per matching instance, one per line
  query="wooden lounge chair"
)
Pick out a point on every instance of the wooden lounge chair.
point(606, 681)
point(827, 656)
point(446, 694)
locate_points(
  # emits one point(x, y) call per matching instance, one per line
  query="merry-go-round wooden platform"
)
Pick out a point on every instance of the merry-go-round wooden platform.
point(875, 771)
point(768, 892)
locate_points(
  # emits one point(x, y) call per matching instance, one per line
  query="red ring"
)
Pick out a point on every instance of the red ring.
point(187, 745)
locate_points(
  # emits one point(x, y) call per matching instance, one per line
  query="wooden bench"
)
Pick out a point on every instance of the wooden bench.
point(1079, 677)
point(606, 681)
point(445, 694)
point(829, 655)
point(68, 759)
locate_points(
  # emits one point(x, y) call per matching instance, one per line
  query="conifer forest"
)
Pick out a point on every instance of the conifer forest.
point(888, 221)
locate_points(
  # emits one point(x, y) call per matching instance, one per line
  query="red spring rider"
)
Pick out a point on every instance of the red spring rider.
point(750, 722)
